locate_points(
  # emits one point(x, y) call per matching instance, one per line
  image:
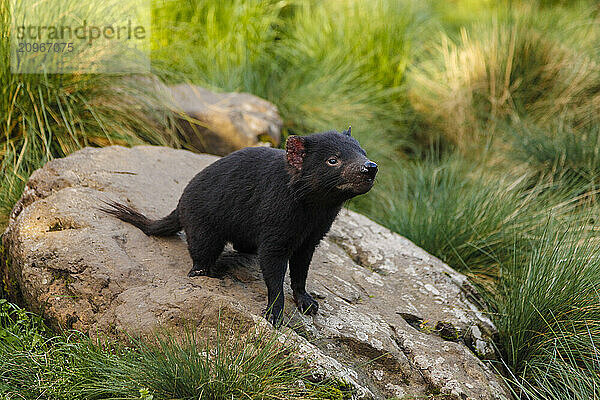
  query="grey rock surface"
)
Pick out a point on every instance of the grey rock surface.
point(393, 320)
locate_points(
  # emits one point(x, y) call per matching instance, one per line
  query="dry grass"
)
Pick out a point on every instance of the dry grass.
point(500, 72)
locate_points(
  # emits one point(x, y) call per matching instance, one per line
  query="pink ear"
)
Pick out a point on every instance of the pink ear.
point(295, 151)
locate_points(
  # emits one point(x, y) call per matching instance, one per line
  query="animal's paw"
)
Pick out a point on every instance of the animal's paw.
point(199, 272)
point(274, 315)
point(306, 304)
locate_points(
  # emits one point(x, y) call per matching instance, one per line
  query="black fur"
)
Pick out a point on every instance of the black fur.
point(276, 203)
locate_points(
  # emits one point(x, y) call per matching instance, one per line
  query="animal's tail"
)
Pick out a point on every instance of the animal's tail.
point(167, 226)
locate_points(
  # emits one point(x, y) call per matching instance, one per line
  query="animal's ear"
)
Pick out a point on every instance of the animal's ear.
point(348, 132)
point(295, 151)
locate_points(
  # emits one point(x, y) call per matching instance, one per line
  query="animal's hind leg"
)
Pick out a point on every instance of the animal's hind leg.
point(204, 250)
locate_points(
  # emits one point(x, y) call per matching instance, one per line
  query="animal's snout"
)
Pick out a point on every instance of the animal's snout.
point(369, 168)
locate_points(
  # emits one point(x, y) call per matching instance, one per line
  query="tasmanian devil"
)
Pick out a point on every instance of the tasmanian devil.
point(276, 203)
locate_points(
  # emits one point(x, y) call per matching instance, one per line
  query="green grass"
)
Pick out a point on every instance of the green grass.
point(562, 154)
point(465, 215)
point(512, 100)
point(223, 45)
point(550, 312)
point(324, 64)
point(34, 364)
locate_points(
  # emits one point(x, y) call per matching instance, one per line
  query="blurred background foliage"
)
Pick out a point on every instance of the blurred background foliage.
point(483, 115)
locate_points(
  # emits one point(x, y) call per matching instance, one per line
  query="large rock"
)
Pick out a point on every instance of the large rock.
point(393, 321)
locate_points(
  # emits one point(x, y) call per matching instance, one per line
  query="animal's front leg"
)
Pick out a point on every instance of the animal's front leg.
point(299, 263)
point(273, 264)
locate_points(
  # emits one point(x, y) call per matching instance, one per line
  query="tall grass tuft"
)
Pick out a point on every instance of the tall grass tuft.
point(343, 63)
point(43, 116)
point(500, 71)
point(560, 153)
point(549, 312)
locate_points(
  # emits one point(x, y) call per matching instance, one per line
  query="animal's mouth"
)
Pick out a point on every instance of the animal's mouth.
point(360, 187)
point(370, 182)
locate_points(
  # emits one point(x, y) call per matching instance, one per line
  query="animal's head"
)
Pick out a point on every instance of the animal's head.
point(329, 164)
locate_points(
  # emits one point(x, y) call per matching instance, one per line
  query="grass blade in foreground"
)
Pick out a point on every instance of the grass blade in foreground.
point(71, 366)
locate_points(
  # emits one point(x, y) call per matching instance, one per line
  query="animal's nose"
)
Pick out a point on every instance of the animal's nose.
point(369, 168)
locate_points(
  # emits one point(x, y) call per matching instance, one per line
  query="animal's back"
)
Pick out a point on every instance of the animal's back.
point(231, 196)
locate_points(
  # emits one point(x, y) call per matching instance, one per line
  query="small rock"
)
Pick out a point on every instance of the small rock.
point(220, 123)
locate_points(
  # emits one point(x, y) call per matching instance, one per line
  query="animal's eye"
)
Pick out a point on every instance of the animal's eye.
point(332, 161)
